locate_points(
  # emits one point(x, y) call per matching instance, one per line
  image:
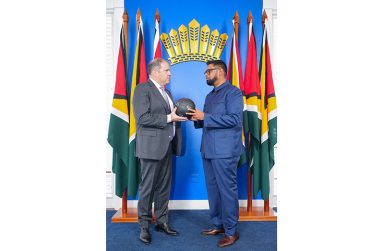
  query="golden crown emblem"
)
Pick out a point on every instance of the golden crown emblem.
point(193, 44)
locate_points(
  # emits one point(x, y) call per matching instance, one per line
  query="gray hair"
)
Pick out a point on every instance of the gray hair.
point(155, 64)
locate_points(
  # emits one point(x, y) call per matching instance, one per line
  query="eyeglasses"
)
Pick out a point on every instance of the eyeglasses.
point(209, 70)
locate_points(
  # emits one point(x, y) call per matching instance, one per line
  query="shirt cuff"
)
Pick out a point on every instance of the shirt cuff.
point(169, 118)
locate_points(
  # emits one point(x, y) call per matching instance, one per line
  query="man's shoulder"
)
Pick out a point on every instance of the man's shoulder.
point(232, 88)
point(143, 85)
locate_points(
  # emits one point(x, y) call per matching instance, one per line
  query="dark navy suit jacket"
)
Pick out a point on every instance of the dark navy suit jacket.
point(222, 124)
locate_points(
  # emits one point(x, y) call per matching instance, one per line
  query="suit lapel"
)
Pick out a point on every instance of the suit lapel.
point(157, 93)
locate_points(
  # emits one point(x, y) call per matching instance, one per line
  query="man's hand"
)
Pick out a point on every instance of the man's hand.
point(175, 118)
point(196, 114)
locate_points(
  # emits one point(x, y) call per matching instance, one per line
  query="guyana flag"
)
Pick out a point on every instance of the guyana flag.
point(253, 99)
point(235, 77)
point(269, 116)
point(139, 75)
point(118, 135)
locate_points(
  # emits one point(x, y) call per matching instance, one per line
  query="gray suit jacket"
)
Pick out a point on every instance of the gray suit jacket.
point(150, 112)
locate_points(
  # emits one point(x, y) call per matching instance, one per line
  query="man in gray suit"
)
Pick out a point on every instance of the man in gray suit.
point(158, 136)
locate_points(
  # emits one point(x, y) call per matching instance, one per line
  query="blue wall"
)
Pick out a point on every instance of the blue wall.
point(187, 78)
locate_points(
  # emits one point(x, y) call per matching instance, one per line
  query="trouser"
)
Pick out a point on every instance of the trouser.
point(155, 180)
point(222, 191)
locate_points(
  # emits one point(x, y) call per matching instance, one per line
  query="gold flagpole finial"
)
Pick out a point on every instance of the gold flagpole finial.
point(236, 23)
point(236, 17)
point(125, 17)
point(157, 16)
point(249, 17)
point(138, 17)
point(264, 16)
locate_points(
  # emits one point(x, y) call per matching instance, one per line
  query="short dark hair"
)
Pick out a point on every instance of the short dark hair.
point(155, 64)
point(218, 63)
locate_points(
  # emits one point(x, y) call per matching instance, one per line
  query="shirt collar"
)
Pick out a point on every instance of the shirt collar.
point(155, 83)
point(216, 89)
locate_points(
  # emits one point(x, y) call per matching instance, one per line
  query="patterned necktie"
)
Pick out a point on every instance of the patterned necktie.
point(165, 96)
point(171, 130)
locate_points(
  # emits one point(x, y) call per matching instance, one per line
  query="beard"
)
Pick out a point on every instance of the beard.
point(211, 81)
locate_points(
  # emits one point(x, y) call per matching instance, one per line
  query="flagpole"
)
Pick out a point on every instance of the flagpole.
point(157, 16)
point(266, 206)
point(236, 23)
point(156, 20)
point(156, 43)
point(249, 173)
point(125, 18)
point(123, 214)
point(126, 35)
point(138, 16)
point(249, 186)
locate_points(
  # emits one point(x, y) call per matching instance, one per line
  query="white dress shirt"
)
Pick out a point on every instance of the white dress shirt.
point(169, 118)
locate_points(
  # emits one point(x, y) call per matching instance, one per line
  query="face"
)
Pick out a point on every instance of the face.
point(163, 74)
point(211, 74)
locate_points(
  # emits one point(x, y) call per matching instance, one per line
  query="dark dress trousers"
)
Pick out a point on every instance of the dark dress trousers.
point(154, 148)
point(221, 147)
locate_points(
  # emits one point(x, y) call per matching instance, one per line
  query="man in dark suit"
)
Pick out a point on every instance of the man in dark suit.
point(158, 136)
point(221, 148)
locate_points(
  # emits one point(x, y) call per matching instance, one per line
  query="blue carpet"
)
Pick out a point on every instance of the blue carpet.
point(259, 236)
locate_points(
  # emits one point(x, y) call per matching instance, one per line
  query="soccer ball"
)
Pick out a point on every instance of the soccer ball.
point(183, 105)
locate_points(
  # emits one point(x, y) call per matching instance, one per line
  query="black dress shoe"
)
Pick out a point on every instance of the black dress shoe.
point(145, 236)
point(213, 231)
point(166, 228)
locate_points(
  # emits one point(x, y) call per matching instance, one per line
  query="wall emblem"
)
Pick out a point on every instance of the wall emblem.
point(193, 43)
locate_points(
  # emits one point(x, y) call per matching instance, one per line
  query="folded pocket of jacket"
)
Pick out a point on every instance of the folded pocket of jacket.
point(152, 133)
